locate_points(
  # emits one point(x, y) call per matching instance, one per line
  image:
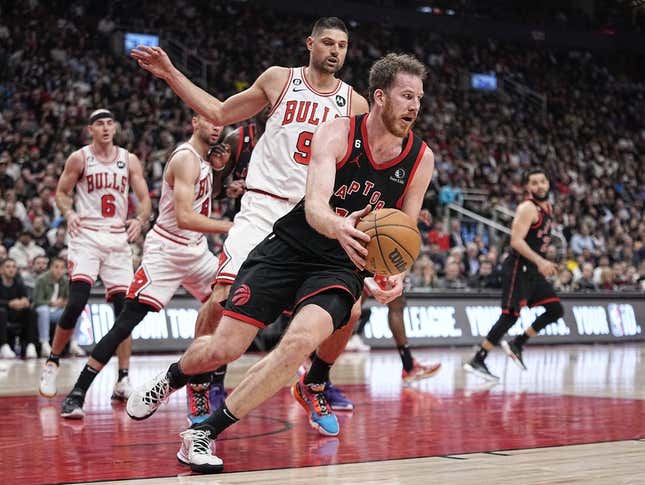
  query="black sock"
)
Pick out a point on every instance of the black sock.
point(319, 371)
point(85, 379)
point(406, 357)
point(217, 378)
point(123, 373)
point(176, 378)
point(55, 358)
point(201, 380)
point(520, 340)
point(217, 422)
point(481, 353)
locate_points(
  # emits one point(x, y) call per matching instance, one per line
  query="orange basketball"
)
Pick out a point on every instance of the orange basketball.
point(395, 242)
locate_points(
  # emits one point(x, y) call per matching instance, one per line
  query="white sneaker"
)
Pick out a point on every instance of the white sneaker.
point(197, 449)
point(122, 389)
point(45, 349)
point(6, 352)
point(75, 350)
point(48, 380)
point(145, 400)
point(30, 352)
point(356, 344)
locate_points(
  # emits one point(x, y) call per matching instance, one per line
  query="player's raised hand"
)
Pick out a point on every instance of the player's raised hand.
point(385, 288)
point(219, 155)
point(153, 59)
point(351, 239)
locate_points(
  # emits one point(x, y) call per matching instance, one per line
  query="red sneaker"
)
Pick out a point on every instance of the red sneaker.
point(420, 371)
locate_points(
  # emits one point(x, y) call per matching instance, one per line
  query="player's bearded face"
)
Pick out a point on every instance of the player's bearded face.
point(328, 51)
point(538, 187)
point(208, 132)
point(398, 123)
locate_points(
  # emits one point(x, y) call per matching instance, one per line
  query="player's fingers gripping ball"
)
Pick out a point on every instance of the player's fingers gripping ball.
point(395, 241)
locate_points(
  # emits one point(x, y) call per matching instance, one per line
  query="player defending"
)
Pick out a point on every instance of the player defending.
point(525, 273)
point(311, 259)
point(96, 220)
point(300, 100)
point(175, 251)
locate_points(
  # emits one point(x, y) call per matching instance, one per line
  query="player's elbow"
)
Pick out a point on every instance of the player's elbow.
point(515, 242)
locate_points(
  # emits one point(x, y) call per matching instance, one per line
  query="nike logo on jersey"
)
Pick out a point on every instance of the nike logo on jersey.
point(297, 90)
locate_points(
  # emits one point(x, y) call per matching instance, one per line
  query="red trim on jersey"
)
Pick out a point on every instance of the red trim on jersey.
point(83, 277)
point(84, 165)
point(394, 161)
point(181, 243)
point(328, 93)
point(539, 221)
point(224, 280)
point(284, 91)
point(240, 142)
point(320, 290)
point(244, 318)
point(553, 299)
point(96, 229)
point(349, 103)
point(115, 290)
point(258, 191)
point(417, 162)
point(350, 143)
point(171, 233)
point(148, 300)
point(116, 157)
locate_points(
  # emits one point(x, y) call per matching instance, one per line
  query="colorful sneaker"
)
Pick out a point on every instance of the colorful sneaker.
point(196, 451)
point(73, 406)
point(48, 375)
point(514, 352)
point(420, 371)
point(144, 401)
point(336, 399)
point(198, 404)
point(216, 395)
point(478, 367)
point(122, 389)
point(312, 398)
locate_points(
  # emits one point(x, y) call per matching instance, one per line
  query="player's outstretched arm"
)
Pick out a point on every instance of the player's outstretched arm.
point(65, 188)
point(185, 171)
point(237, 108)
point(328, 147)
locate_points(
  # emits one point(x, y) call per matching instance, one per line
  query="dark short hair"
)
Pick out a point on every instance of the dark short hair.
point(2, 263)
point(384, 71)
point(328, 23)
point(55, 259)
point(533, 171)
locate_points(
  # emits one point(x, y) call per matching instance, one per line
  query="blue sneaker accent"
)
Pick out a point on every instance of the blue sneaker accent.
point(312, 398)
point(198, 405)
point(336, 399)
point(216, 395)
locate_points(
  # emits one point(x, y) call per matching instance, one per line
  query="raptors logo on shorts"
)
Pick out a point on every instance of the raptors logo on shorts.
point(242, 295)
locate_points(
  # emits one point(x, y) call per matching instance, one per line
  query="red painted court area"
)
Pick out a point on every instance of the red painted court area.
point(39, 447)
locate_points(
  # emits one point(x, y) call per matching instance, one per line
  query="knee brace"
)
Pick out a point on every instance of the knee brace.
point(553, 312)
point(133, 312)
point(117, 300)
point(503, 325)
point(79, 293)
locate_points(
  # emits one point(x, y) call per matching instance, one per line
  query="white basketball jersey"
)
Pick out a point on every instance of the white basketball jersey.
point(102, 191)
point(167, 221)
point(279, 160)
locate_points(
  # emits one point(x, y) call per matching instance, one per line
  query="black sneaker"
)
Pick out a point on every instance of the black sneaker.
point(478, 367)
point(514, 351)
point(73, 406)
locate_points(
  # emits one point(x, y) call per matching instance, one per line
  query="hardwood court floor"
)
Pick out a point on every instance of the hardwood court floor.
point(577, 415)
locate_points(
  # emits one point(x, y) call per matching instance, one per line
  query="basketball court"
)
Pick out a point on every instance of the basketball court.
point(576, 415)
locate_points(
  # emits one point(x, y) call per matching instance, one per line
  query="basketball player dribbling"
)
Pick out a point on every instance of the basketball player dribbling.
point(102, 173)
point(315, 257)
point(300, 100)
point(175, 252)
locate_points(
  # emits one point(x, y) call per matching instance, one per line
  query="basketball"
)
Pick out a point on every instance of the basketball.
point(395, 241)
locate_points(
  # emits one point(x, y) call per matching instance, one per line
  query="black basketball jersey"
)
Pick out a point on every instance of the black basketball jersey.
point(539, 235)
point(245, 145)
point(358, 181)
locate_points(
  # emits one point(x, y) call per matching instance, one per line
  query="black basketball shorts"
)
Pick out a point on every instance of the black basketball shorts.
point(524, 286)
point(277, 277)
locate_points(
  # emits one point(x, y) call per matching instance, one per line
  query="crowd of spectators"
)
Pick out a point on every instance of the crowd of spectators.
point(60, 61)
